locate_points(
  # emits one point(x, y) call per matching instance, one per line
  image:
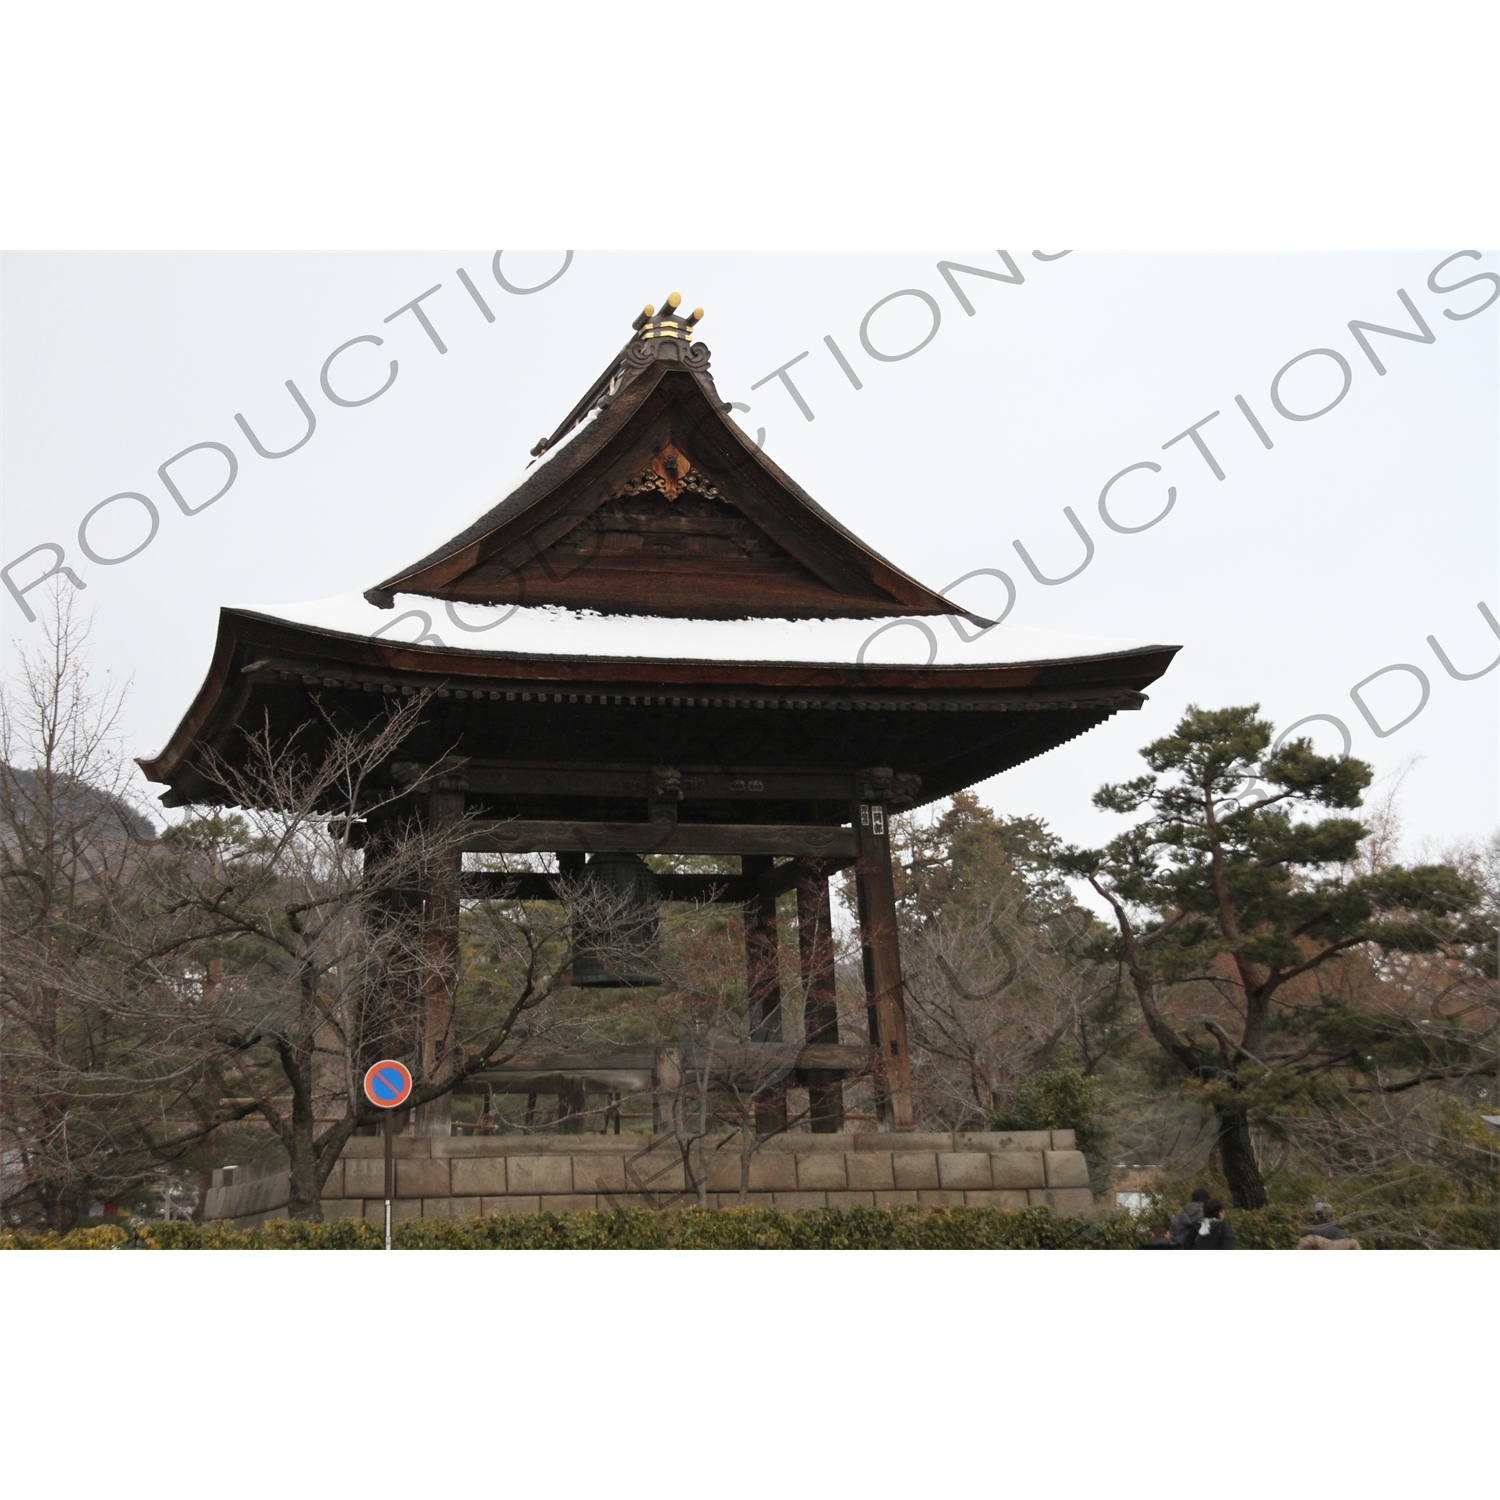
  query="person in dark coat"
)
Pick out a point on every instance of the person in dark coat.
point(1186, 1220)
point(1215, 1232)
point(1325, 1232)
point(1161, 1239)
point(1325, 1225)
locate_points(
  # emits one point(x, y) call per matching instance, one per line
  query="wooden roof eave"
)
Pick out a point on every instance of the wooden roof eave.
point(243, 632)
point(206, 714)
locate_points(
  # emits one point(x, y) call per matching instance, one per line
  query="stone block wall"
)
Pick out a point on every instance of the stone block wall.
point(455, 1177)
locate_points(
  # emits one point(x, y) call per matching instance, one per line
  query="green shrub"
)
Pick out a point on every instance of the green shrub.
point(96, 1237)
point(778, 1229)
point(1278, 1227)
point(1062, 1098)
point(904, 1228)
point(1281, 1225)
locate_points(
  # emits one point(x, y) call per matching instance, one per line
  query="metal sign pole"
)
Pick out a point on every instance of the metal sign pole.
point(388, 1087)
point(390, 1171)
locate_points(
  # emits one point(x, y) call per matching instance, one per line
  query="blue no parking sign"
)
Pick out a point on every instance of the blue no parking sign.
point(388, 1084)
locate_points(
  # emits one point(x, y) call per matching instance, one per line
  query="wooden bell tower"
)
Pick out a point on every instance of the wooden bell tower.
point(683, 654)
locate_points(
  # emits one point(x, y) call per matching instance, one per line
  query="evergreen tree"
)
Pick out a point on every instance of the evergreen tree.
point(1225, 902)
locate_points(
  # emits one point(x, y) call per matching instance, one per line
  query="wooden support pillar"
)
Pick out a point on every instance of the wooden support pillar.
point(763, 984)
point(881, 952)
point(440, 953)
point(820, 1013)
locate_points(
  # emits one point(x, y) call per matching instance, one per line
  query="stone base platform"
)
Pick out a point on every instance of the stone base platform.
point(458, 1176)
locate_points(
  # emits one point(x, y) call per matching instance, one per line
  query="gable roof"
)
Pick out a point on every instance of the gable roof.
point(649, 500)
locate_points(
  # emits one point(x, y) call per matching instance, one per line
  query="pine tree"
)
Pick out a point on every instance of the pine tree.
point(1224, 902)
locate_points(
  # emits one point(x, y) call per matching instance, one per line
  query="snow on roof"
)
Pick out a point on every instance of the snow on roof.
point(943, 640)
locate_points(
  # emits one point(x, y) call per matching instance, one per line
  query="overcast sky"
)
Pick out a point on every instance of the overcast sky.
point(1308, 567)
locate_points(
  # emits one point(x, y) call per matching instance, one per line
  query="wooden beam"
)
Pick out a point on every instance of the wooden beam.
point(751, 785)
point(531, 836)
point(584, 1060)
point(530, 885)
point(591, 1080)
point(752, 1055)
point(697, 890)
point(632, 1069)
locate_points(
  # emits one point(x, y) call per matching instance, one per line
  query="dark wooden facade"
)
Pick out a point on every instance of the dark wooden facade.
point(655, 503)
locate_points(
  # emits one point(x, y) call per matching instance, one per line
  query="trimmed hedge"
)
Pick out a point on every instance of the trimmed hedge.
point(723, 1229)
point(635, 1229)
point(638, 1229)
point(1268, 1228)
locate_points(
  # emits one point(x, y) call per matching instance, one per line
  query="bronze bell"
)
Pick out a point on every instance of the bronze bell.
point(616, 924)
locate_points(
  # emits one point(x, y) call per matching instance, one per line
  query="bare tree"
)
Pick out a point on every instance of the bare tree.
point(993, 992)
point(998, 982)
point(725, 1074)
point(79, 1084)
point(312, 952)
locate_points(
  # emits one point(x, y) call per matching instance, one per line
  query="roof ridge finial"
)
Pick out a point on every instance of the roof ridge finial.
point(666, 324)
point(650, 324)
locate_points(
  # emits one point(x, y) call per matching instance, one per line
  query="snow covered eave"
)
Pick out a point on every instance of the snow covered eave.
point(537, 631)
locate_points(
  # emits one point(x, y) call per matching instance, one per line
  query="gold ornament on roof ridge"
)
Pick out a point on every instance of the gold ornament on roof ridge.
point(666, 324)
